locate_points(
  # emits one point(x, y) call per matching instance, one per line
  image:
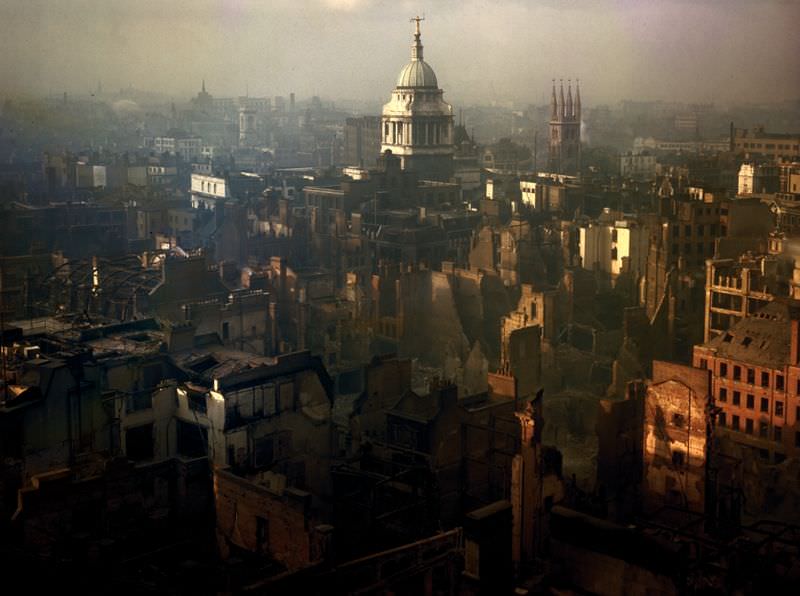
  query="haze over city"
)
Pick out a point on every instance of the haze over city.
point(706, 50)
point(400, 298)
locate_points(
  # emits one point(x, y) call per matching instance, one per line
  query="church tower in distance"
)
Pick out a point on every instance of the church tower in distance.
point(565, 131)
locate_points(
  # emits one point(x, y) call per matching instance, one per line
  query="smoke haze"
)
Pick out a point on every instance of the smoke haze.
point(706, 50)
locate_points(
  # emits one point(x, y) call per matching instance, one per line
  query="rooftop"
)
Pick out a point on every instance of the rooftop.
point(762, 339)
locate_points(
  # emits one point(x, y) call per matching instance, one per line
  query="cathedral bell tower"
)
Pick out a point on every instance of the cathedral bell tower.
point(565, 131)
point(417, 124)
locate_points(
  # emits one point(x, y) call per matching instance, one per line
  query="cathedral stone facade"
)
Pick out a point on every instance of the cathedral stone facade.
point(417, 123)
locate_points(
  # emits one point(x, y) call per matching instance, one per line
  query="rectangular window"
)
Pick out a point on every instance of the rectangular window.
point(751, 376)
point(192, 439)
point(737, 398)
point(735, 422)
point(748, 426)
point(196, 401)
point(751, 402)
point(262, 534)
point(722, 419)
point(703, 363)
point(763, 430)
point(263, 451)
point(764, 404)
point(139, 442)
point(765, 379)
point(678, 459)
point(779, 409)
point(779, 382)
point(778, 433)
point(723, 394)
point(737, 372)
point(723, 369)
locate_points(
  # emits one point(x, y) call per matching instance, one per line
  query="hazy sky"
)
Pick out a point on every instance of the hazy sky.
point(696, 50)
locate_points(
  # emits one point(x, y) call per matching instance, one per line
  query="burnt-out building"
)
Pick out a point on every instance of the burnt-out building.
point(78, 230)
point(738, 288)
point(755, 374)
point(677, 430)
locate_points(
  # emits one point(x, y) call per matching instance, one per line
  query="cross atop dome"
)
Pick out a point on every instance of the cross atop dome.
point(416, 49)
point(416, 20)
point(417, 124)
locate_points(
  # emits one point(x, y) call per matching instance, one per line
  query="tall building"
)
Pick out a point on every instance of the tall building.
point(755, 374)
point(247, 126)
point(362, 141)
point(770, 145)
point(204, 101)
point(417, 124)
point(758, 178)
point(565, 131)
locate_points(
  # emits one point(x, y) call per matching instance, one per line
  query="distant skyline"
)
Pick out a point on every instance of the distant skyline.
point(726, 51)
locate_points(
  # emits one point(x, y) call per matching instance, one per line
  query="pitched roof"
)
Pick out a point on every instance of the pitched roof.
point(762, 339)
point(422, 408)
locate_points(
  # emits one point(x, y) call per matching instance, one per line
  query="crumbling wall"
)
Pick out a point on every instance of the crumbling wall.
point(277, 524)
point(386, 380)
point(675, 437)
point(620, 431)
point(482, 300)
point(483, 254)
point(498, 301)
point(599, 557)
point(633, 360)
point(768, 489)
point(109, 498)
point(433, 330)
point(474, 375)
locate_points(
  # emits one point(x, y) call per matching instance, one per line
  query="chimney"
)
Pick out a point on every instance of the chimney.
point(732, 138)
point(448, 395)
point(180, 337)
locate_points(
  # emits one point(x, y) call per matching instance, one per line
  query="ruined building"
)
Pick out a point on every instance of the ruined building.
point(676, 432)
point(755, 373)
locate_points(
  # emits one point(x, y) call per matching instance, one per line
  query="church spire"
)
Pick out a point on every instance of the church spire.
point(416, 48)
point(204, 85)
point(568, 108)
point(561, 100)
point(578, 100)
point(554, 104)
